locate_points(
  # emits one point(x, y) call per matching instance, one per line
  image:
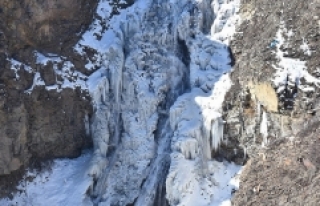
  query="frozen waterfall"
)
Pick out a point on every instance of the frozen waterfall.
point(161, 69)
point(161, 77)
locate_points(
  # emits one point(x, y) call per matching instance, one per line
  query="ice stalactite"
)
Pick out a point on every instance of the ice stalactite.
point(216, 133)
point(264, 128)
point(99, 125)
point(195, 117)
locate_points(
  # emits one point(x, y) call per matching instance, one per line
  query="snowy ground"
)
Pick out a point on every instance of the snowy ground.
point(67, 182)
point(64, 185)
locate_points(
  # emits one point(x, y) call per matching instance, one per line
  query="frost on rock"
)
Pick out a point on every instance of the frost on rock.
point(69, 76)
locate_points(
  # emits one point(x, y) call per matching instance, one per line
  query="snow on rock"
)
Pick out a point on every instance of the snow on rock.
point(291, 71)
point(16, 66)
point(71, 78)
point(305, 48)
point(37, 80)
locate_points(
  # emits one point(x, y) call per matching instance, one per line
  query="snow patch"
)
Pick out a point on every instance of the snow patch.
point(71, 78)
point(65, 184)
point(305, 48)
point(16, 66)
point(291, 69)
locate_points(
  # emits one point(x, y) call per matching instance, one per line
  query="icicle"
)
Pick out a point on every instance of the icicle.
point(87, 124)
point(264, 128)
point(207, 131)
point(216, 133)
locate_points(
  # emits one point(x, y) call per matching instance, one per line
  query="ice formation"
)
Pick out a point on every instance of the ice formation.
point(161, 69)
point(264, 128)
point(157, 98)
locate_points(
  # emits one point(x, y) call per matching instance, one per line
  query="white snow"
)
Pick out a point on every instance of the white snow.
point(16, 66)
point(196, 120)
point(42, 59)
point(65, 184)
point(191, 188)
point(71, 78)
point(37, 80)
point(223, 27)
point(305, 48)
point(291, 69)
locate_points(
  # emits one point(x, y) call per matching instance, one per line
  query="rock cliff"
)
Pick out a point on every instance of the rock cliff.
point(274, 101)
point(38, 122)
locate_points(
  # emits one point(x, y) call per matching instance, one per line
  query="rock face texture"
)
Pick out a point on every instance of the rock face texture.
point(285, 173)
point(38, 122)
point(274, 99)
point(49, 26)
point(41, 124)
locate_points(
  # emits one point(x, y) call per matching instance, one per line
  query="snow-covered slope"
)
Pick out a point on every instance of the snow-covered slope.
point(65, 183)
point(157, 98)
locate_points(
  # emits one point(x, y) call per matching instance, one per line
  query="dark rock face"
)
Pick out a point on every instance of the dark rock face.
point(38, 126)
point(39, 122)
point(49, 26)
point(42, 124)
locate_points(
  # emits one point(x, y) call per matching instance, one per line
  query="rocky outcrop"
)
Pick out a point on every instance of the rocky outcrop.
point(270, 37)
point(48, 26)
point(284, 173)
point(45, 106)
point(274, 98)
point(39, 125)
point(38, 119)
